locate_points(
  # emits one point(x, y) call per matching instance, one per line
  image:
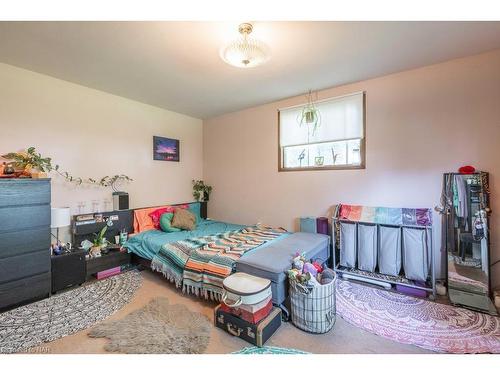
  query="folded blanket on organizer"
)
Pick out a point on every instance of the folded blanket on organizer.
point(387, 215)
point(200, 265)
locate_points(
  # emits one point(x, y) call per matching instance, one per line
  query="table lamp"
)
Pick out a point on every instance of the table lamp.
point(60, 217)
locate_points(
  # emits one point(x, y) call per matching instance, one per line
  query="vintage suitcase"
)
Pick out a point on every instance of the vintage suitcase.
point(256, 334)
point(250, 313)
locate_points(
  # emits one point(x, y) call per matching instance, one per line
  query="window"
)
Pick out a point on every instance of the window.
point(337, 143)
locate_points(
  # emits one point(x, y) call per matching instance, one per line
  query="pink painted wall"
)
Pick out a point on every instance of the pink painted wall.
point(91, 133)
point(419, 124)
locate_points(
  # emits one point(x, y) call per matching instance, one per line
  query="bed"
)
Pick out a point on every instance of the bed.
point(148, 243)
point(197, 261)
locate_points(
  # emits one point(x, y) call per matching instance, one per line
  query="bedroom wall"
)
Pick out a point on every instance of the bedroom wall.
point(92, 134)
point(419, 124)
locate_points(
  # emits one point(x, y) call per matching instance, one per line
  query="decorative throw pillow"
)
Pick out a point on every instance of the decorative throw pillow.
point(142, 220)
point(195, 208)
point(166, 223)
point(156, 214)
point(184, 219)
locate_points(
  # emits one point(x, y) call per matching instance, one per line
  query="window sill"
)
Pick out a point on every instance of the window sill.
point(328, 168)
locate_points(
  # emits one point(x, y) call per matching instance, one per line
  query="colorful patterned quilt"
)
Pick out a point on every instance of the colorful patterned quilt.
point(387, 215)
point(200, 265)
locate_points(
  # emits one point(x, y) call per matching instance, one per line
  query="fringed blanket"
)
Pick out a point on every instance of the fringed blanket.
point(200, 265)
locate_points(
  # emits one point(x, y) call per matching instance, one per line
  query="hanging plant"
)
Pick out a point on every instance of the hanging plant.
point(32, 160)
point(310, 115)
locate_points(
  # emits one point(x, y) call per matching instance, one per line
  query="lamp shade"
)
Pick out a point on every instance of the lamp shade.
point(245, 52)
point(60, 217)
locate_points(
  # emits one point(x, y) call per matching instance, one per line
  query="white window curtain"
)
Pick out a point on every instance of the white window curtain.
point(341, 118)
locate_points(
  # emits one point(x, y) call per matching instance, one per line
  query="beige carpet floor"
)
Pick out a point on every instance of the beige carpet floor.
point(343, 338)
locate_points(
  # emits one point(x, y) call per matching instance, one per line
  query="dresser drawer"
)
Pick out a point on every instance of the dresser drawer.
point(24, 192)
point(26, 241)
point(26, 265)
point(19, 291)
point(23, 217)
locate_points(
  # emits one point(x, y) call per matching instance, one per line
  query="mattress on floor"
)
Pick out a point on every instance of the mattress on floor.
point(273, 260)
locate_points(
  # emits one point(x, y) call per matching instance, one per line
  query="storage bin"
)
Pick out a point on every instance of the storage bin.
point(240, 288)
point(313, 309)
point(308, 224)
point(348, 244)
point(389, 252)
point(367, 247)
point(416, 253)
point(322, 225)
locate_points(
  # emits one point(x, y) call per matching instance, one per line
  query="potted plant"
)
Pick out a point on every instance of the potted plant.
point(30, 162)
point(38, 166)
point(201, 191)
point(310, 115)
point(99, 243)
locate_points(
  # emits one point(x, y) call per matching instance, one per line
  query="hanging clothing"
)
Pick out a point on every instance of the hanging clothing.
point(460, 198)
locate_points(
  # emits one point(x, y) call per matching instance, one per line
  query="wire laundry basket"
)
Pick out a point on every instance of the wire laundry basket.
point(313, 309)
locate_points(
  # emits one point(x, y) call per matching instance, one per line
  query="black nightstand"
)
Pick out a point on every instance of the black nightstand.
point(114, 258)
point(68, 270)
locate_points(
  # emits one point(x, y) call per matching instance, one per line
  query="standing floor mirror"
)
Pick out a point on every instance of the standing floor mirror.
point(466, 240)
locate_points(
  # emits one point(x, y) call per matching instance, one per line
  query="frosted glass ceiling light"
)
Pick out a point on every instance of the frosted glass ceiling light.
point(245, 52)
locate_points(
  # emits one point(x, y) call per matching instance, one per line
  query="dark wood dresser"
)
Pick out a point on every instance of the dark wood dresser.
point(24, 241)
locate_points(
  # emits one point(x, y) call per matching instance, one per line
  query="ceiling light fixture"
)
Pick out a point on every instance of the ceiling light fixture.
point(245, 52)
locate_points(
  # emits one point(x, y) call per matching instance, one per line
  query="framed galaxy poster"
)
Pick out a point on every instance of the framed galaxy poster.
point(165, 149)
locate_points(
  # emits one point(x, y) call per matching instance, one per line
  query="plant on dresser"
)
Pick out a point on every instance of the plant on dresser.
point(34, 164)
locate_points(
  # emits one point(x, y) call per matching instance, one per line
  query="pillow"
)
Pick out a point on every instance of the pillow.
point(166, 223)
point(156, 214)
point(184, 219)
point(195, 209)
point(142, 220)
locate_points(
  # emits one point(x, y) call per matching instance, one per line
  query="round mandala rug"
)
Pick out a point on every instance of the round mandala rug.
point(268, 350)
point(419, 322)
point(65, 313)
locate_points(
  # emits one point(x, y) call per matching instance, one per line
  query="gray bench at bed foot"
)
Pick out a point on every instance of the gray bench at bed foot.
point(272, 261)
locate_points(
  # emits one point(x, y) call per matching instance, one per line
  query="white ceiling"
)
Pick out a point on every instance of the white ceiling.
point(176, 65)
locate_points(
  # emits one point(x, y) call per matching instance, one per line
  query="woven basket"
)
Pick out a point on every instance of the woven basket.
point(313, 309)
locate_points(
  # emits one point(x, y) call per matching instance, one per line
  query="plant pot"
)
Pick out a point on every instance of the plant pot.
point(319, 160)
point(9, 169)
point(309, 116)
point(35, 173)
point(95, 251)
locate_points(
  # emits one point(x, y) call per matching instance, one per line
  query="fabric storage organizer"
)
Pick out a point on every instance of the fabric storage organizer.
point(389, 260)
point(385, 246)
point(367, 247)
